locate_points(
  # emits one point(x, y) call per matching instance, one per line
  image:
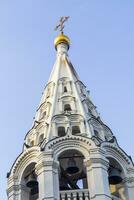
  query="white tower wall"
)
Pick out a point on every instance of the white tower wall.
point(67, 123)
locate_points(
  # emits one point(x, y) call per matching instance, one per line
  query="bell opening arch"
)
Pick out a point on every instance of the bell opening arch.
point(115, 177)
point(72, 172)
point(29, 181)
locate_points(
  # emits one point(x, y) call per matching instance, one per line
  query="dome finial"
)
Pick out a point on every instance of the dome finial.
point(61, 38)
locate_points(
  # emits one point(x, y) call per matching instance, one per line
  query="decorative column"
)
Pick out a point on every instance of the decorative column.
point(54, 129)
point(60, 88)
point(69, 88)
point(97, 175)
point(82, 125)
point(47, 172)
point(73, 105)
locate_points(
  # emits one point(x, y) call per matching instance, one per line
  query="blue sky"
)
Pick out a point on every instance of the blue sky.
point(102, 52)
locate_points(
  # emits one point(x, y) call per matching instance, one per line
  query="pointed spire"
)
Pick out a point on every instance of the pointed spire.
point(65, 104)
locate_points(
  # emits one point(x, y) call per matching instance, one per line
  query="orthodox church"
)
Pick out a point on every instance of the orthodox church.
point(69, 153)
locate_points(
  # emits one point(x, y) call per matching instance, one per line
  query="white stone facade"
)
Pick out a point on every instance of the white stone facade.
point(67, 124)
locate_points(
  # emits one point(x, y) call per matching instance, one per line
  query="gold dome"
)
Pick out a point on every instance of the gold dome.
point(61, 39)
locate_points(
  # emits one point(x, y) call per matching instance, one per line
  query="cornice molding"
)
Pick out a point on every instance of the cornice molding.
point(43, 166)
point(92, 161)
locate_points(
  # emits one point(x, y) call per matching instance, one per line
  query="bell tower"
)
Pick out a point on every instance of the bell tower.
point(69, 153)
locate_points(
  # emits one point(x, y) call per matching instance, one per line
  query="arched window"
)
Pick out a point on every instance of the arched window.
point(43, 114)
point(96, 133)
point(61, 131)
point(67, 107)
point(41, 138)
point(89, 110)
point(31, 143)
point(48, 93)
point(75, 130)
point(99, 135)
point(65, 89)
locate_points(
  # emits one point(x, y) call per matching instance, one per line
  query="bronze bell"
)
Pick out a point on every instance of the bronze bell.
point(114, 176)
point(34, 190)
point(72, 168)
point(64, 184)
point(31, 181)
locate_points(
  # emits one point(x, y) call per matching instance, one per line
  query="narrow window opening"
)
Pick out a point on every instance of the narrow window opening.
point(67, 107)
point(43, 114)
point(75, 130)
point(96, 133)
point(32, 143)
point(89, 110)
point(41, 138)
point(48, 93)
point(65, 89)
point(61, 131)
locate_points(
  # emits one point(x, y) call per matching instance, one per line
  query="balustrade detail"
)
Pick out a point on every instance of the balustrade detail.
point(75, 194)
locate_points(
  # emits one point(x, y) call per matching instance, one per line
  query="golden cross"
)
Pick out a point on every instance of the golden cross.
point(61, 26)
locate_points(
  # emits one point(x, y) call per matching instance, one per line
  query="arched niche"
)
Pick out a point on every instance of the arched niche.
point(67, 107)
point(64, 89)
point(41, 138)
point(68, 103)
point(65, 85)
point(44, 110)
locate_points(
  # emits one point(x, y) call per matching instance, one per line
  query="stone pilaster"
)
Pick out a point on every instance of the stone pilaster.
point(16, 191)
point(97, 176)
point(13, 188)
point(47, 172)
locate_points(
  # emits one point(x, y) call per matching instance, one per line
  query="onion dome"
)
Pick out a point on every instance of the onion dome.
point(62, 39)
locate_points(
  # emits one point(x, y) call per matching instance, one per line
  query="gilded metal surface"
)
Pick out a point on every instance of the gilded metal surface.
point(61, 39)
